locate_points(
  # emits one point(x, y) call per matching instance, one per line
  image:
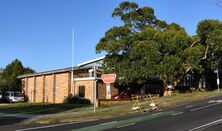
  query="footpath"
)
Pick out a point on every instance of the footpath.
point(25, 118)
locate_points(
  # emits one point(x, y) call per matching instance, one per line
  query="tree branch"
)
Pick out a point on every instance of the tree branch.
point(205, 54)
point(194, 42)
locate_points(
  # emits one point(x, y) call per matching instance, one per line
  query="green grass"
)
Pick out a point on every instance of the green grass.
point(72, 112)
point(124, 109)
point(180, 98)
point(29, 108)
point(7, 118)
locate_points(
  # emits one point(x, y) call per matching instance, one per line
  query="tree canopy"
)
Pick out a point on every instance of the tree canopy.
point(8, 76)
point(145, 47)
point(210, 35)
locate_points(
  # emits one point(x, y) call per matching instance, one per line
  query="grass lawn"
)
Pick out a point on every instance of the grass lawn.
point(29, 108)
point(123, 108)
point(9, 120)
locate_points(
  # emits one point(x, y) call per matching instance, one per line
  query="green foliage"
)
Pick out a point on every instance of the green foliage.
point(9, 74)
point(147, 48)
point(210, 34)
point(77, 100)
point(194, 56)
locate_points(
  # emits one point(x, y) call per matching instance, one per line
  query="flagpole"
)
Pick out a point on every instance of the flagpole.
point(72, 75)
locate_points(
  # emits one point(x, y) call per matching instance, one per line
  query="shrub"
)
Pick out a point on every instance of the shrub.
point(77, 100)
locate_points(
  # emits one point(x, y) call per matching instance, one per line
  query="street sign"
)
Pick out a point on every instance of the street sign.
point(218, 81)
point(216, 71)
point(108, 78)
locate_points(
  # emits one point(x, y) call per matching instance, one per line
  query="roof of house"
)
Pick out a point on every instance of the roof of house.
point(54, 71)
point(81, 66)
point(97, 61)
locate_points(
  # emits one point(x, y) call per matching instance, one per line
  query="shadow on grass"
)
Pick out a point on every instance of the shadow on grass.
point(7, 120)
point(28, 108)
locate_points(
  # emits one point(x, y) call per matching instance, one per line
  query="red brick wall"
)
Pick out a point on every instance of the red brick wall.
point(39, 89)
point(30, 89)
point(45, 88)
point(102, 90)
point(63, 87)
point(49, 83)
point(89, 88)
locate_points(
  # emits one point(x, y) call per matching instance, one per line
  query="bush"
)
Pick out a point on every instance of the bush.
point(77, 100)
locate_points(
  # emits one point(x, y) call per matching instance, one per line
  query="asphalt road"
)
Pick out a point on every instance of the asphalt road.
point(204, 115)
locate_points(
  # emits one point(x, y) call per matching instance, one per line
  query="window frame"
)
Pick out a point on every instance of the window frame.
point(82, 91)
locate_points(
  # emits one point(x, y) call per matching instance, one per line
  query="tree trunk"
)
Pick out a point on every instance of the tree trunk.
point(166, 89)
point(202, 83)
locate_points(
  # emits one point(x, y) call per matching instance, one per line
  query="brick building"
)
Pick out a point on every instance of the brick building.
point(55, 86)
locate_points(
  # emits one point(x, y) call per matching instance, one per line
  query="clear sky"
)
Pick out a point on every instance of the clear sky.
point(39, 32)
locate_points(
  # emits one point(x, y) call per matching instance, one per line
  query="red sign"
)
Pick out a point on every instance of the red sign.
point(108, 78)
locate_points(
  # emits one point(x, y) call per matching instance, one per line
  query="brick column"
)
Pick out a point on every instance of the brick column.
point(69, 84)
point(34, 86)
point(43, 89)
point(53, 79)
point(26, 86)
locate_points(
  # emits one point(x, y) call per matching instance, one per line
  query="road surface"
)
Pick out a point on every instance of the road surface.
point(204, 115)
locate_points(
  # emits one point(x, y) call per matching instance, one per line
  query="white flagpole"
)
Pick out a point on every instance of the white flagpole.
point(72, 76)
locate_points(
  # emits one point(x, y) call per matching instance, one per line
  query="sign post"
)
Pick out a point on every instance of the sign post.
point(218, 80)
point(94, 109)
point(108, 79)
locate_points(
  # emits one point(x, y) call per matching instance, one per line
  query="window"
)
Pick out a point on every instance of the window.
point(17, 94)
point(7, 94)
point(56, 88)
point(81, 91)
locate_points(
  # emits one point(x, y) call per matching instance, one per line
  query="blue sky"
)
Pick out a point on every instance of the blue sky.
point(39, 32)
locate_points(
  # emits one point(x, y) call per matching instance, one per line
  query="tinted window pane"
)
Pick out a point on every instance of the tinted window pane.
point(18, 94)
point(81, 91)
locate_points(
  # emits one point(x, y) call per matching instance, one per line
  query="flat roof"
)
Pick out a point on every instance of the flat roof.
point(54, 71)
point(80, 66)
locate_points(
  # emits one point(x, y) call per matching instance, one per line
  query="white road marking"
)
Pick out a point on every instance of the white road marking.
point(199, 108)
point(177, 113)
point(211, 101)
point(125, 125)
point(157, 113)
point(108, 123)
point(206, 125)
point(189, 106)
point(215, 101)
point(219, 101)
point(50, 126)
